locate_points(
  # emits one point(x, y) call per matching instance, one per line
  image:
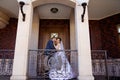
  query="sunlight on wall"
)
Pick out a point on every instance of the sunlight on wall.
point(118, 27)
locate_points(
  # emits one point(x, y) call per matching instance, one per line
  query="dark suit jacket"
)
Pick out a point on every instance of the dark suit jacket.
point(49, 46)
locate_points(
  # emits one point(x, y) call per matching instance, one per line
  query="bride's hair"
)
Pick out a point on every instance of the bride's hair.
point(61, 43)
point(53, 37)
point(59, 38)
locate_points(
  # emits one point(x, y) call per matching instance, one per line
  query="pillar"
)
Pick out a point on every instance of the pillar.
point(32, 71)
point(83, 44)
point(73, 56)
point(22, 44)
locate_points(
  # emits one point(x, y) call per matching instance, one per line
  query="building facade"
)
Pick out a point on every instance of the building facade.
point(39, 20)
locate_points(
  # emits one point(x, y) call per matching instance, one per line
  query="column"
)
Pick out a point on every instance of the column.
point(22, 44)
point(72, 30)
point(34, 44)
point(83, 45)
point(73, 56)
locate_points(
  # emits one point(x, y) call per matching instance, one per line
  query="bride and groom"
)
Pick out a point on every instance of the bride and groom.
point(62, 69)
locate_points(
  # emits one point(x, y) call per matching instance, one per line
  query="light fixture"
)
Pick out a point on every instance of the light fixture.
point(21, 3)
point(84, 8)
point(54, 10)
point(83, 3)
point(118, 26)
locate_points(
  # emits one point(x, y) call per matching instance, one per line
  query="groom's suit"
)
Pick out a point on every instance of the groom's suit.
point(49, 46)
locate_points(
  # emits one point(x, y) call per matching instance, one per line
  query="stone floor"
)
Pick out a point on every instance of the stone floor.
point(96, 78)
point(8, 78)
point(105, 78)
point(4, 77)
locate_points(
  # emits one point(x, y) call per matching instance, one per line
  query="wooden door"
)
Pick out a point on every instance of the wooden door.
point(49, 27)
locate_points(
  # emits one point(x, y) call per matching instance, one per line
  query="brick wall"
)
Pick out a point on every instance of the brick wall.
point(95, 35)
point(8, 35)
point(110, 38)
point(104, 35)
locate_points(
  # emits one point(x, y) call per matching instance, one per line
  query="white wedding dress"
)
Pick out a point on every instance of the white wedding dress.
point(62, 69)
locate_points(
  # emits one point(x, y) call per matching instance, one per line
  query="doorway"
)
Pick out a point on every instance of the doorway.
point(50, 27)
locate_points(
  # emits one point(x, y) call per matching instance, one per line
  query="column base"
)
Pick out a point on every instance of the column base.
point(85, 77)
point(16, 77)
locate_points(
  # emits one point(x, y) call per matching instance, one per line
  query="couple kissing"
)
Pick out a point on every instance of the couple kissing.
point(53, 43)
point(61, 69)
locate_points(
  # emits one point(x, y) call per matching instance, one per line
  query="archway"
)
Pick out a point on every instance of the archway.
point(66, 11)
point(41, 11)
point(70, 3)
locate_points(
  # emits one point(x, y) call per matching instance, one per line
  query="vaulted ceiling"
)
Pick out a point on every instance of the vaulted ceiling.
point(97, 9)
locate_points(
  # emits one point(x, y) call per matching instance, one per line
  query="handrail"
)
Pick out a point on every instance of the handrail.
point(6, 50)
point(50, 50)
point(100, 65)
point(98, 50)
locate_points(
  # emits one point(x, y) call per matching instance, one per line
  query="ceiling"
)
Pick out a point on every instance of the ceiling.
point(97, 9)
point(45, 11)
point(10, 7)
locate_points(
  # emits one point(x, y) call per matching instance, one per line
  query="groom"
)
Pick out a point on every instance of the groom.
point(50, 45)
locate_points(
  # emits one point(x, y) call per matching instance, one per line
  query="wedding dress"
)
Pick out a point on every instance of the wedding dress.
point(62, 69)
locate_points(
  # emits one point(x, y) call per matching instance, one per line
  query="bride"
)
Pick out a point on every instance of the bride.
point(62, 69)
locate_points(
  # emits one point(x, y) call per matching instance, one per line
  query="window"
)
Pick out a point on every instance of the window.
point(54, 34)
point(118, 28)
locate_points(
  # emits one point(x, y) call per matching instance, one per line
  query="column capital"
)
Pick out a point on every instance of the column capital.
point(22, 5)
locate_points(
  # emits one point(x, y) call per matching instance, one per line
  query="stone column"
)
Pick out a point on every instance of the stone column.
point(73, 56)
point(34, 44)
point(83, 44)
point(22, 44)
point(72, 30)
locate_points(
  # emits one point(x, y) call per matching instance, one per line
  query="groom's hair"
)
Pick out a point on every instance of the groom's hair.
point(53, 37)
point(59, 38)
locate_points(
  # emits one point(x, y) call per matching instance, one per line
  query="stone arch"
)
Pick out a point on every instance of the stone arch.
point(70, 3)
